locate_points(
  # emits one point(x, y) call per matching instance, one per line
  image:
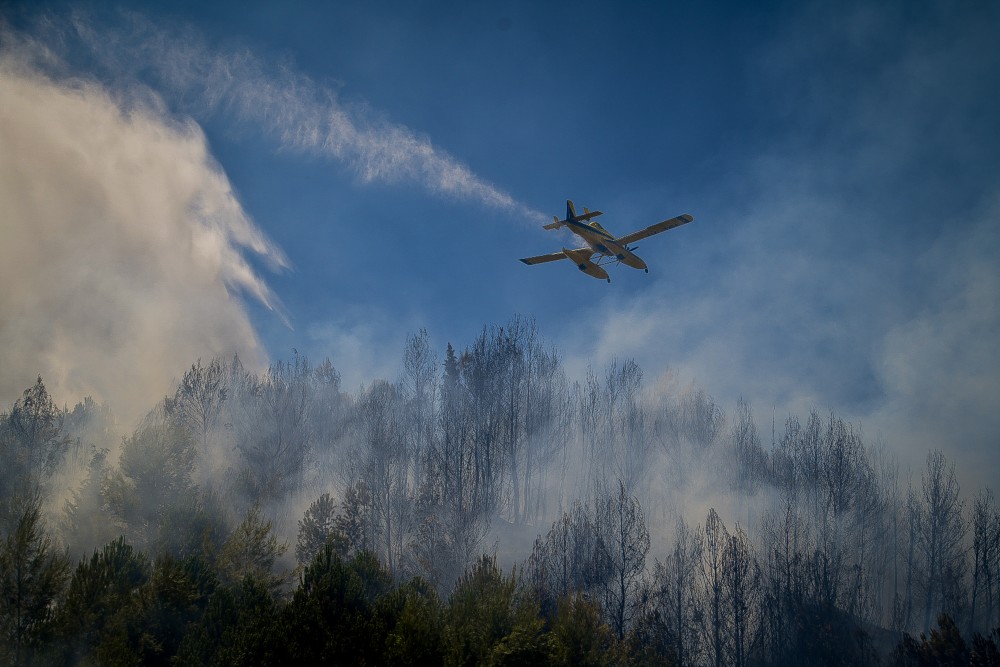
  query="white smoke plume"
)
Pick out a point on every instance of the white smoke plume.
point(123, 242)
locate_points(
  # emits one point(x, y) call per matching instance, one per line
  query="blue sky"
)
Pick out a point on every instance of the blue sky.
point(840, 161)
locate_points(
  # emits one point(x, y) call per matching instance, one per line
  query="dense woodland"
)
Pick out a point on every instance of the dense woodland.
point(483, 508)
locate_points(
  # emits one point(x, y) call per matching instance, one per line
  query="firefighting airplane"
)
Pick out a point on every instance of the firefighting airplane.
point(611, 250)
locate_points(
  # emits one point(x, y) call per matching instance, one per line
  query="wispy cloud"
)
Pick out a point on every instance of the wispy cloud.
point(296, 111)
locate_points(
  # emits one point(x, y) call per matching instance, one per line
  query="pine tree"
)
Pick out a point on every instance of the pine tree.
point(32, 573)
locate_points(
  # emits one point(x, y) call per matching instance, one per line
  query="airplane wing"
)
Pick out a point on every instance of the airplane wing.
point(655, 229)
point(541, 259)
point(577, 255)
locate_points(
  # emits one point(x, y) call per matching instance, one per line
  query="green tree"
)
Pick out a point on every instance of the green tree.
point(251, 551)
point(175, 597)
point(32, 575)
point(984, 650)
point(334, 617)
point(319, 524)
point(85, 524)
point(31, 441)
point(121, 611)
point(580, 636)
point(236, 629)
point(195, 527)
point(941, 647)
point(355, 519)
point(416, 619)
point(104, 592)
point(489, 620)
point(154, 477)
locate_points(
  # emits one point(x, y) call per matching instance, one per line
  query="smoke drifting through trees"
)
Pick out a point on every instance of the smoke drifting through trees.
point(654, 509)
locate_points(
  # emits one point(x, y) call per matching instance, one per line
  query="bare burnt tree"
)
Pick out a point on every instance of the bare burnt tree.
point(483, 382)
point(782, 590)
point(419, 385)
point(450, 515)
point(198, 399)
point(592, 467)
point(622, 524)
point(702, 419)
point(837, 488)
point(612, 424)
point(626, 425)
point(750, 470)
point(572, 559)
point(676, 594)
point(503, 404)
point(836, 472)
point(514, 347)
point(986, 562)
point(384, 465)
point(599, 551)
point(713, 587)
point(451, 460)
point(940, 534)
point(741, 598)
point(270, 416)
point(328, 417)
point(911, 563)
point(547, 429)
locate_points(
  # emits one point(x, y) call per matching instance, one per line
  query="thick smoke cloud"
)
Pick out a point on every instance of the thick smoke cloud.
point(124, 245)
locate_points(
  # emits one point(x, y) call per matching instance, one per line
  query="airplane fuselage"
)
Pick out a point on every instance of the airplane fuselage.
point(604, 242)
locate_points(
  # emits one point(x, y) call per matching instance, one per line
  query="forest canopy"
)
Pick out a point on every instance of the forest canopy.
point(483, 507)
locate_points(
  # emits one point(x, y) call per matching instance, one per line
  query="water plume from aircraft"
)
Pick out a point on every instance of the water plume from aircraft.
point(125, 249)
point(289, 106)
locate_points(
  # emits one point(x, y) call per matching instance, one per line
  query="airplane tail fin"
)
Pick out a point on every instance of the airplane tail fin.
point(570, 211)
point(571, 216)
